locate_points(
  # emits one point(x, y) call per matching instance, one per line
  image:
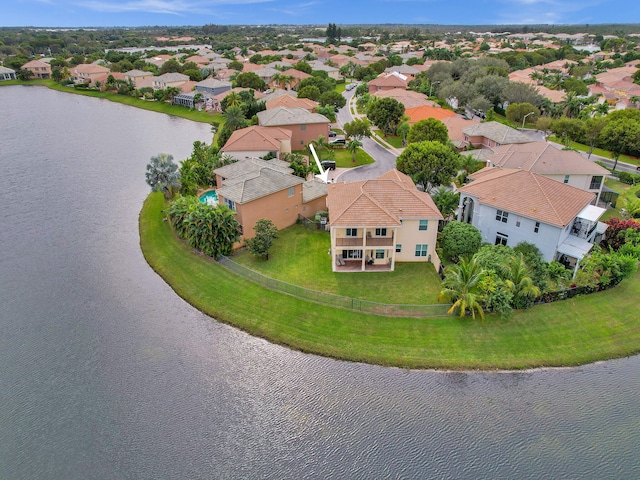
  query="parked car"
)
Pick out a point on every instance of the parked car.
point(338, 141)
point(351, 86)
point(328, 164)
point(332, 134)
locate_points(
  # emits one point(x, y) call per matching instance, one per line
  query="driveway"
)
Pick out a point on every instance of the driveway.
point(385, 159)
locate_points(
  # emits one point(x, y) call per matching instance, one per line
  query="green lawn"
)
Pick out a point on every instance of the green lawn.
point(598, 151)
point(625, 190)
point(343, 159)
point(299, 256)
point(585, 329)
point(392, 140)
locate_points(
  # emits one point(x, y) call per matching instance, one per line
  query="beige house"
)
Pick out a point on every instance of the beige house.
point(256, 141)
point(258, 189)
point(376, 223)
point(493, 134)
point(169, 80)
point(89, 73)
point(137, 76)
point(304, 126)
point(38, 68)
point(389, 81)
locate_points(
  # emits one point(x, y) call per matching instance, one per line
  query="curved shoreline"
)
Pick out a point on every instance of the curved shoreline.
point(553, 335)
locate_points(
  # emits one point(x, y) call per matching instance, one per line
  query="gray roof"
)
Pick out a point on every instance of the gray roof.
point(211, 82)
point(289, 116)
point(312, 189)
point(172, 77)
point(497, 132)
point(316, 65)
point(256, 185)
point(137, 73)
point(266, 72)
point(251, 166)
point(6, 70)
point(403, 69)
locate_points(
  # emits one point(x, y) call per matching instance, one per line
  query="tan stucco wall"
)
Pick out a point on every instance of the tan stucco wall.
point(301, 137)
point(409, 236)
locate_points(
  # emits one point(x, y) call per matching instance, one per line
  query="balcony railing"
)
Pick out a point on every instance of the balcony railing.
point(358, 242)
point(379, 242)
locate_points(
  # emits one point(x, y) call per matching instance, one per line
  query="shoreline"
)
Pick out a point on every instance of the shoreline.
point(564, 334)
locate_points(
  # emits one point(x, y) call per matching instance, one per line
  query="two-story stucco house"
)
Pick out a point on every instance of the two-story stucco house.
point(376, 223)
point(566, 166)
point(510, 206)
point(304, 125)
point(165, 80)
point(39, 68)
point(257, 189)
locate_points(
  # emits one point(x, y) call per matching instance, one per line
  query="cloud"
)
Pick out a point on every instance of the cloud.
point(298, 9)
point(543, 11)
point(170, 7)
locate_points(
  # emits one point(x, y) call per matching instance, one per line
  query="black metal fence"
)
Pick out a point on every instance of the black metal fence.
point(355, 304)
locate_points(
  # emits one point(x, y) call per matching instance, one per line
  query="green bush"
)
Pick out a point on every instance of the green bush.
point(629, 178)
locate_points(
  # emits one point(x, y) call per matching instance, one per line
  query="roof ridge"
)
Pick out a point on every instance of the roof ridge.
point(375, 201)
point(352, 202)
point(546, 197)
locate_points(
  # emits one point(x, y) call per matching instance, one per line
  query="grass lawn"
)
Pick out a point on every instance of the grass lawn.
point(393, 140)
point(299, 256)
point(581, 330)
point(343, 159)
point(625, 190)
point(597, 151)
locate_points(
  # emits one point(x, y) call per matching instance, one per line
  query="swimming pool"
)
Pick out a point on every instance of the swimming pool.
point(210, 197)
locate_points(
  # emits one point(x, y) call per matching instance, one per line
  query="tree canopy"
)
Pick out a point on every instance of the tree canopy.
point(386, 113)
point(429, 164)
point(430, 129)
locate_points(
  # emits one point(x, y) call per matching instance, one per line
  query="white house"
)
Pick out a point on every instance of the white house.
point(510, 206)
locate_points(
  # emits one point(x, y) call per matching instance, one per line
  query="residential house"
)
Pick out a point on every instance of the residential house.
point(305, 126)
point(332, 72)
point(137, 76)
point(296, 77)
point(403, 69)
point(426, 111)
point(7, 74)
point(542, 158)
point(455, 126)
point(408, 98)
point(212, 86)
point(258, 189)
point(510, 206)
point(90, 73)
point(493, 134)
point(158, 60)
point(39, 68)
point(169, 80)
point(376, 223)
point(256, 141)
point(292, 102)
point(389, 81)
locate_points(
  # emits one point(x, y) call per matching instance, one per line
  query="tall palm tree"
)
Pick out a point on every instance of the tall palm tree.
point(461, 286)
point(517, 275)
point(232, 99)
point(353, 147)
point(234, 118)
point(320, 144)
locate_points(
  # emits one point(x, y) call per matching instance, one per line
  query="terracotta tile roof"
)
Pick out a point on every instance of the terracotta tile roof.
point(392, 79)
point(292, 102)
point(528, 194)
point(544, 159)
point(292, 72)
point(256, 138)
point(423, 112)
point(455, 125)
point(385, 201)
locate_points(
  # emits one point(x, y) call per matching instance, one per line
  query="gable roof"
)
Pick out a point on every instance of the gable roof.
point(256, 138)
point(292, 72)
point(292, 102)
point(289, 116)
point(250, 166)
point(528, 194)
point(393, 79)
point(382, 202)
point(497, 132)
point(211, 82)
point(408, 98)
point(544, 159)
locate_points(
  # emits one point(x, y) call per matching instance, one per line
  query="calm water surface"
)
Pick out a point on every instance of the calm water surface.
point(105, 373)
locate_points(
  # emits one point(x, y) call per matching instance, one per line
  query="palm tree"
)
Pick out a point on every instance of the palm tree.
point(461, 286)
point(320, 144)
point(232, 99)
point(162, 174)
point(353, 147)
point(234, 118)
point(517, 276)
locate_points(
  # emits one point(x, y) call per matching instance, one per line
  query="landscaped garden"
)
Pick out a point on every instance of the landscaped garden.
point(583, 329)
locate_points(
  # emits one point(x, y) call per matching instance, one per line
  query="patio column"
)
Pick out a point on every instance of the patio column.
point(363, 260)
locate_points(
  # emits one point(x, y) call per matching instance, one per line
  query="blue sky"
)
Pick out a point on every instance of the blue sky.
point(104, 13)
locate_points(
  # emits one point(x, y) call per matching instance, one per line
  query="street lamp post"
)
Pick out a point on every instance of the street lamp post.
point(525, 117)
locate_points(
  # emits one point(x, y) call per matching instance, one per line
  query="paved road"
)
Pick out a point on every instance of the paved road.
point(385, 160)
point(621, 167)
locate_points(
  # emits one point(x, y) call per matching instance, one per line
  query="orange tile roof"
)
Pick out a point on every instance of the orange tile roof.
point(528, 194)
point(292, 102)
point(422, 113)
point(256, 138)
point(384, 201)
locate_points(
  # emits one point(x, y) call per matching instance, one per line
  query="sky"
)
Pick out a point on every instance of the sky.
point(134, 13)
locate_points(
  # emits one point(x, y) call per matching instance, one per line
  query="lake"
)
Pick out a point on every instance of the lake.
point(108, 374)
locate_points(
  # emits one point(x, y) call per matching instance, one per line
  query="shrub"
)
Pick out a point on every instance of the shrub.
point(459, 238)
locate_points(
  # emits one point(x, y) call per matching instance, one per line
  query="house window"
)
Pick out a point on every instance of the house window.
point(596, 182)
point(398, 247)
point(566, 179)
point(381, 232)
point(501, 238)
point(303, 127)
point(424, 224)
point(518, 223)
point(352, 232)
point(380, 254)
point(421, 250)
point(291, 191)
point(502, 216)
point(536, 229)
point(352, 254)
point(230, 203)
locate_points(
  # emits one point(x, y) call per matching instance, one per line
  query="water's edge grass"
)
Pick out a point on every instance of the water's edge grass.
point(582, 330)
